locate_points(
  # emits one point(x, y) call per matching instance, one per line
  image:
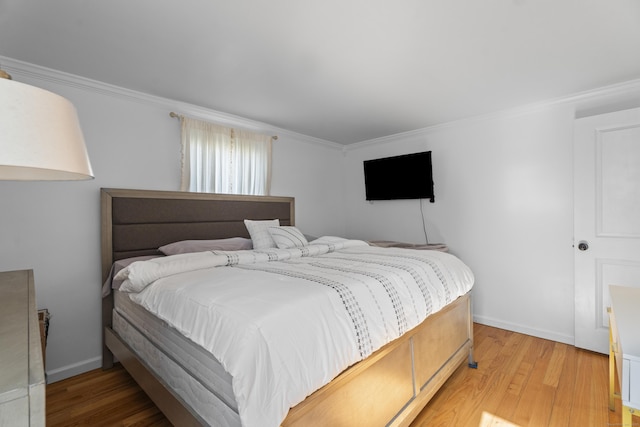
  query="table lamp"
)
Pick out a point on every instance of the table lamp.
point(40, 136)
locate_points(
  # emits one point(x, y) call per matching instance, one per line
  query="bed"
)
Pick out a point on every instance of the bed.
point(389, 386)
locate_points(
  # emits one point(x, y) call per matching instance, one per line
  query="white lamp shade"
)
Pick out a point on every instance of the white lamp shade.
point(40, 136)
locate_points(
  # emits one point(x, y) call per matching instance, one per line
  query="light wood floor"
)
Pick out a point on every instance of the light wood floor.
point(520, 381)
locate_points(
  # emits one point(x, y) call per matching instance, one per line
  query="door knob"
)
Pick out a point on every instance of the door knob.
point(583, 246)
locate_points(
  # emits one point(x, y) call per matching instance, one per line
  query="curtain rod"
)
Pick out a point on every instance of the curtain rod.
point(180, 116)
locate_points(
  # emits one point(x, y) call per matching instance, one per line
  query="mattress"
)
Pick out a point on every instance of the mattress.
point(192, 372)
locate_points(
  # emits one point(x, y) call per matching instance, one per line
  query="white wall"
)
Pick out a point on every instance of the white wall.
point(53, 227)
point(315, 176)
point(504, 205)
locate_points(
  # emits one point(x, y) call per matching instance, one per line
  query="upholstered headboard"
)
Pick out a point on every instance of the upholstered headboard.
point(137, 222)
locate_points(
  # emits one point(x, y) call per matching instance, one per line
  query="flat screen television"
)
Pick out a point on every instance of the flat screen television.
point(400, 177)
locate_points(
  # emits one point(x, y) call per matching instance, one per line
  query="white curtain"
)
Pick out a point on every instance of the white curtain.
point(217, 159)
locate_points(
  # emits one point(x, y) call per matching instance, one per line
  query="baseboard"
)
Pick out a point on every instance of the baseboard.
point(69, 371)
point(539, 333)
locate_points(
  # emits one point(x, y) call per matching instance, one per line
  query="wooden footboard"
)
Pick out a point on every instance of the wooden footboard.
point(394, 384)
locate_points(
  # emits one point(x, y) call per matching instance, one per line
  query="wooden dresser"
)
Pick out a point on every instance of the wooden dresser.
point(22, 381)
point(624, 357)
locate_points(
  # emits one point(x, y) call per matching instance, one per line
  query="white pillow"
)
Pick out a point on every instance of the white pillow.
point(259, 232)
point(288, 237)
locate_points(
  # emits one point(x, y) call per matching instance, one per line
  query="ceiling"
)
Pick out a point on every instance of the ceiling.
point(341, 70)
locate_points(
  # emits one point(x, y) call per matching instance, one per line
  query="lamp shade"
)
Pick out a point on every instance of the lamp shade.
point(40, 136)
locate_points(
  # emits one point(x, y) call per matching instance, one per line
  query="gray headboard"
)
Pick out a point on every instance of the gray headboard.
point(137, 222)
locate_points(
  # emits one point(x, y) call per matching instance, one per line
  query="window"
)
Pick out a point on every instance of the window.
point(218, 159)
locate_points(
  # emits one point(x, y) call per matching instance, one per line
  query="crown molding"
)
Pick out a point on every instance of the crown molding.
point(32, 71)
point(580, 101)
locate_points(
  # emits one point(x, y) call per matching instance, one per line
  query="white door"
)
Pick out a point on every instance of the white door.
point(606, 218)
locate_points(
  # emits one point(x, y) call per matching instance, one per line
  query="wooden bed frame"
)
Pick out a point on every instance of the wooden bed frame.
point(390, 387)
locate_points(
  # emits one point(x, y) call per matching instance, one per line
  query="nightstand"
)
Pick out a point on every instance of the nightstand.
point(624, 349)
point(22, 383)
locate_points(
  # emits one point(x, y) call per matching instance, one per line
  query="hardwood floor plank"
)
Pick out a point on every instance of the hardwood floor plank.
point(498, 373)
point(581, 408)
point(552, 375)
point(511, 367)
point(567, 373)
point(101, 398)
point(520, 381)
point(536, 399)
point(599, 395)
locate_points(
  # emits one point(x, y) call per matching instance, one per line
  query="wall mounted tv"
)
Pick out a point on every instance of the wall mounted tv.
point(400, 177)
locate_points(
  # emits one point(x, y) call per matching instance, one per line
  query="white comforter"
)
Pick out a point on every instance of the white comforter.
point(285, 322)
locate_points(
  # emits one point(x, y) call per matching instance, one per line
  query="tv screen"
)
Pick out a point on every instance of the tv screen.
point(399, 177)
